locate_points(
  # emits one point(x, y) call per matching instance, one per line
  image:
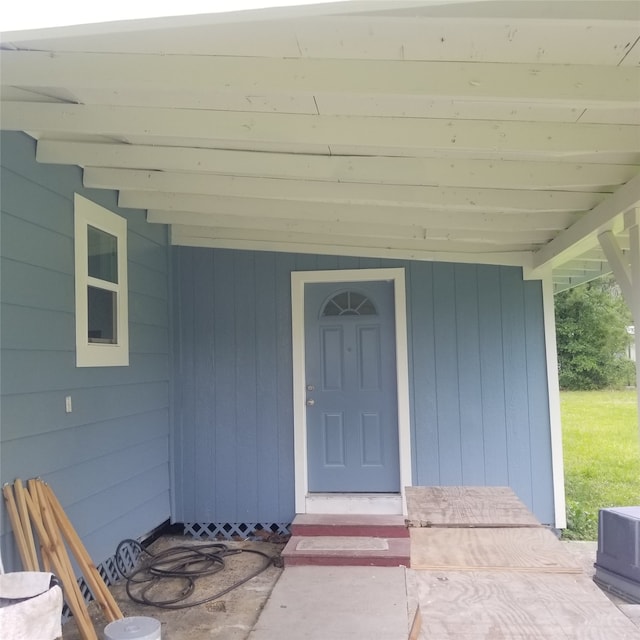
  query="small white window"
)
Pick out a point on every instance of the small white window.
point(102, 322)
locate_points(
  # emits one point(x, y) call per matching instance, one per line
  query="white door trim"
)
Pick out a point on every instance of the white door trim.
point(298, 281)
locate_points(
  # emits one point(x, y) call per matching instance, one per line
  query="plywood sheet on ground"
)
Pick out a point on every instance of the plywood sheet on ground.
point(466, 507)
point(519, 549)
point(465, 605)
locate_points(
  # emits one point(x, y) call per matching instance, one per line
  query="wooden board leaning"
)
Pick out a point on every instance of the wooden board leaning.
point(37, 507)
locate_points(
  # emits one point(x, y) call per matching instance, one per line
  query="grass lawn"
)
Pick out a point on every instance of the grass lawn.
point(601, 456)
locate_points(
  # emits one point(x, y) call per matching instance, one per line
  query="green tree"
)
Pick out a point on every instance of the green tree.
point(591, 323)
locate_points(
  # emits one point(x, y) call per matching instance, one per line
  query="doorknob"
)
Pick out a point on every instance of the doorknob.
point(310, 402)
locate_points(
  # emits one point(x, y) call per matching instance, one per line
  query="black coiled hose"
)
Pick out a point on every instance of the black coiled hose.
point(183, 563)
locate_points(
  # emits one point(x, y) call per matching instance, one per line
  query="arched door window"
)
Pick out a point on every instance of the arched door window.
point(348, 303)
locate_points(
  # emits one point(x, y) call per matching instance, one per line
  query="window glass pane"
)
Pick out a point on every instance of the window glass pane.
point(349, 303)
point(102, 306)
point(366, 308)
point(103, 254)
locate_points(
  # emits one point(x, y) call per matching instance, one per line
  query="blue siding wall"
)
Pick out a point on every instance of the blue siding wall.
point(479, 406)
point(107, 460)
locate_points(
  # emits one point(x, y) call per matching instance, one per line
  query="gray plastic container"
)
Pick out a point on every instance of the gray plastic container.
point(618, 559)
point(133, 628)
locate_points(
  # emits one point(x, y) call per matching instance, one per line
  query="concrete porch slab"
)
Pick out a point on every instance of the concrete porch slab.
point(341, 603)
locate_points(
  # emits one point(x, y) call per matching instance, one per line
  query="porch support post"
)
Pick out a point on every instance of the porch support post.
point(553, 385)
point(632, 222)
point(616, 262)
point(627, 277)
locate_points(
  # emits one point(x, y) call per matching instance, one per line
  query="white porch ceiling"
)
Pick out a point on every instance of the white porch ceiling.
point(503, 132)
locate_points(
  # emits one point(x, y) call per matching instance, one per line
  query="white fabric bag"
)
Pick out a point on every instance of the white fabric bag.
point(30, 606)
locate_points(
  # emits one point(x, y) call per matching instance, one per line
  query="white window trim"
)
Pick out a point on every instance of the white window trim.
point(88, 213)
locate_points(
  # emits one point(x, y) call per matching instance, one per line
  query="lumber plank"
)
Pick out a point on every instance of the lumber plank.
point(45, 551)
point(416, 625)
point(63, 570)
point(484, 604)
point(466, 507)
point(16, 524)
point(468, 549)
point(97, 585)
point(59, 553)
point(26, 523)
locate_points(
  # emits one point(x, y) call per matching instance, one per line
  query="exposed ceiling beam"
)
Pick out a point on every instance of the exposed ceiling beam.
point(229, 212)
point(385, 106)
point(357, 240)
point(607, 216)
point(593, 255)
point(276, 207)
point(578, 267)
point(335, 104)
point(374, 37)
point(560, 286)
point(496, 138)
point(197, 236)
point(261, 13)
point(567, 280)
point(341, 229)
point(513, 174)
point(578, 85)
point(437, 198)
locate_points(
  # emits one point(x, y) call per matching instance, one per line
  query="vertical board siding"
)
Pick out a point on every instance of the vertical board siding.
point(107, 460)
point(285, 498)
point(426, 470)
point(516, 386)
point(467, 330)
point(539, 439)
point(247, 315)
point(266, 384)
point(447, 388)
point(479, 410)
point(225, 385)
point(492, 383)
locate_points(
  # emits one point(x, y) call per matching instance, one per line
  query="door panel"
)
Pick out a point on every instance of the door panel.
point(369, 358)
point(332, 358)
point(352, 429)
point(372, 441)
point(334, 444)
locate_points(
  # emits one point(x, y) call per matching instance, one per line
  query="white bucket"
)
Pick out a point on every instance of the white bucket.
point(134, 628)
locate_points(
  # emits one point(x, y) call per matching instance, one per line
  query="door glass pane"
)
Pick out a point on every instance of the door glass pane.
point(103, 255)
point(349, 303)
point(102, 316)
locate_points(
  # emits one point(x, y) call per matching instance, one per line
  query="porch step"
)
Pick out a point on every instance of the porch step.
point(307, 524)
point(353, 551)
point(348, 540)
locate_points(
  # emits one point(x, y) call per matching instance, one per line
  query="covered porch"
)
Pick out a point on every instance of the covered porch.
point(480, 156)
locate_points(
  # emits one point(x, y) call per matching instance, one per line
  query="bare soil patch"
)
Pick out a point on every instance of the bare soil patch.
point(229, 617)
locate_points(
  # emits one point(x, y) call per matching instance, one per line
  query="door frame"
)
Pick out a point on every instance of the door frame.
point(298, 281)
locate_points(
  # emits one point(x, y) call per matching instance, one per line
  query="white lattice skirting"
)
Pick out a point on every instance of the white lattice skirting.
point(229, 530)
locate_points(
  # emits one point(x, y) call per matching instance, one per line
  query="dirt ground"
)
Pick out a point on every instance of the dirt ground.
point(229, 617)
